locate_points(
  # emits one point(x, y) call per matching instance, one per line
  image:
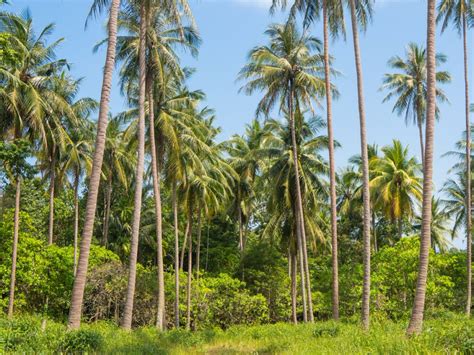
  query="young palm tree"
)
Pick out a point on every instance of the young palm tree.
point(416, 320)
point(75, 311)
point(409, 86)
point(395, 183)
point(461, 14)
point(289, 73)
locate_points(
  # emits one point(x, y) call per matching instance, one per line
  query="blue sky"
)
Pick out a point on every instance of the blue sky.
point(230, 28)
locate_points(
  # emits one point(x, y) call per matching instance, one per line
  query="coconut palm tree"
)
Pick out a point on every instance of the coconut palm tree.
point(75, 311)
point(28, 97)
point(279, 171)
point(416, 320)
point(408, 86)
point(289, 71)
point(455, 195)
point(461, 14)
point(395, 183)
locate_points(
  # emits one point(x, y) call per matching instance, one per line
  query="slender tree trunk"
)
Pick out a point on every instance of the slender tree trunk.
point(365, 171)
point(16, 229)
point(468, 173)
point(75, 311)
point(374, 233)
point(176, 255)
point(52, 179)
point(300, 237)
point(420, 132)
point(108, 203)
point(241, 230)
point(160, 319)
point(416, 321)
point(198, 250)
point(183, 249)
point(292, 260)
point(76, 216)
point(332, 168)
point(190, 268)
point(132, 272)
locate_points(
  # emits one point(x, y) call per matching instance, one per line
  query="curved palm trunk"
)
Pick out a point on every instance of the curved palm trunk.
point(416, 320)
point(132, 272)
point(176, 256)
point(75, 311)
point(108, 202)
point(300, 228)
point(76, 216)
point(365, 171)
point(190, 268)
point(160, 319)
point(468, 174)
point(16, 228)
point(52, 179)
point(332, 169)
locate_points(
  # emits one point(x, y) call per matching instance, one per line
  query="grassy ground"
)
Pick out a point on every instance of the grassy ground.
point(455, 335)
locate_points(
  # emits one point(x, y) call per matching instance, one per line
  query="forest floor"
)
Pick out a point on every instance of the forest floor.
point(449, 335)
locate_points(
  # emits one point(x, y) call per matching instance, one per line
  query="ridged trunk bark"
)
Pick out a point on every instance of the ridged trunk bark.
point(468, 173)
point(155, 170)
point(108, 205)
point(365, 170)
point(176, 255)
point(198, 244)
point(16, 228)
point(75, 311)
point(332, 168)
point(132, 272)
point(76, 216)
point(416, 320)
point(52, 178)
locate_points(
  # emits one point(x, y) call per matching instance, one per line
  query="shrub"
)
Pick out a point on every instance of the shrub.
point(81, 340)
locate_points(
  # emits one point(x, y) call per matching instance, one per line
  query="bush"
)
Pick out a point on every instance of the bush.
point(82, 340)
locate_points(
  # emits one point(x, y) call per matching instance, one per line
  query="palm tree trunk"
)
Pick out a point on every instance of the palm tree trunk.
point(241, 230)
point(365, 171)
point(374, 233)
point(420, 132)
point(52, 179)
point(108, 202)
point(332, 168)
point(416, 320)
point(198, 250)
point(292, 260)
point(190, 267)
point(132, 272)
point(176, 255)
point(160, 319)
point(16, 228)
point(76, 216)
point(75, 311)
point(468, 173)
point(300, 237)
point(183, 249)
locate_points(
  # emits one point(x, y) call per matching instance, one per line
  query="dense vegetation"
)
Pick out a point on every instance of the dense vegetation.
point(145, 219)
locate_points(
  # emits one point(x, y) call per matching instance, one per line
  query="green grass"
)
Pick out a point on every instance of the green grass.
point(453, 335)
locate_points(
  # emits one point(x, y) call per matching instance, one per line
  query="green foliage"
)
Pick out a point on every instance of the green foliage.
point(82, 340)
point(8, 55)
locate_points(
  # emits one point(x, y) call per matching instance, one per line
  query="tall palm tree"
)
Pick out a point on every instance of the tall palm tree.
point(128, 309)
point(28, 97)
point(289, 72)
point(75, 311)
point(461, 14)
point(416, 320)
point(409, 86)
point(279, 171)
